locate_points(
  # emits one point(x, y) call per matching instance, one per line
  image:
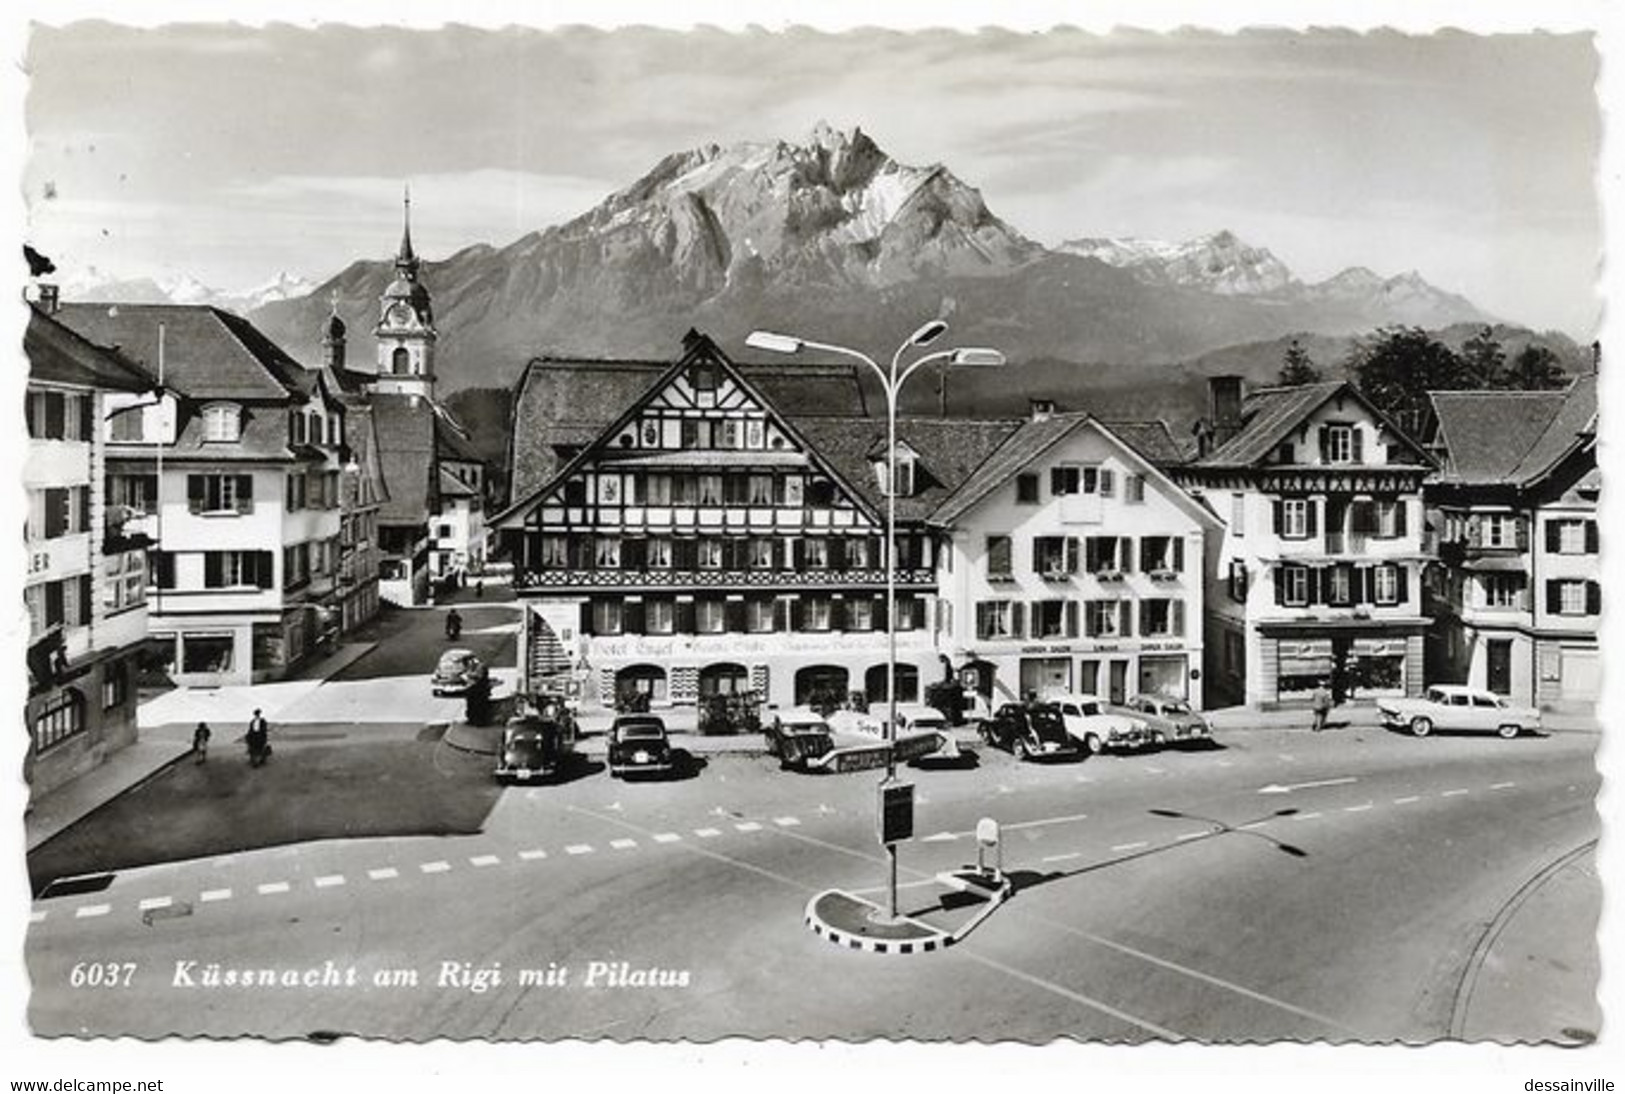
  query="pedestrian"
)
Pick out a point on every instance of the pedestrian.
point(454, 624)
point(1322, 704)
point(200, 742)
point(259, 739)
point(479, 587)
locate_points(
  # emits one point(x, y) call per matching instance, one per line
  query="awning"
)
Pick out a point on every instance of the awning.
point(1495, 564)
point(702, 457)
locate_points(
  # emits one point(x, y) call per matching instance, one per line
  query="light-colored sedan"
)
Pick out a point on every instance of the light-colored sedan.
point(1172, 720)
point(1097, 728)
point(1456, 708)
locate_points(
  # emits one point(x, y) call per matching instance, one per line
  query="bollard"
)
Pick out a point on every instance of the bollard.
point(987, 838)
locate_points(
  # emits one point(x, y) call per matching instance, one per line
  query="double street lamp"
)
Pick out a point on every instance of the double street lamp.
point(891, 381)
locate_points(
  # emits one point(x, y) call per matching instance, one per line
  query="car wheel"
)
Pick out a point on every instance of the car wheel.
point(1421, 727)
point(1508, 732)
point(1092, 745)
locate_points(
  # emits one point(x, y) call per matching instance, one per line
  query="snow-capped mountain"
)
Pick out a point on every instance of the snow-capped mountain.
point(92, 284)
point(1217, 263)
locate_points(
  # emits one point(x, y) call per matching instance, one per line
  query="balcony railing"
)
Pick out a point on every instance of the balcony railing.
point(716, 579)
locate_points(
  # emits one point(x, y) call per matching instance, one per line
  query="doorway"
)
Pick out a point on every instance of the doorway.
point(1498, 659)
point(1117, 674)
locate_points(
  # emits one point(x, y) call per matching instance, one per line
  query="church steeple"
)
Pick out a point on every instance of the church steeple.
point(405, 330)
point(406, 260)
point(333, 332)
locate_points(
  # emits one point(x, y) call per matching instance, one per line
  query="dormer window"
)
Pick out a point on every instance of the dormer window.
point(905, 461)
point(1340, 443)
point(222, 422)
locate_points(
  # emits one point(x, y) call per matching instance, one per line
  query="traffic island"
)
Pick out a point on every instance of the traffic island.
point(857, 924)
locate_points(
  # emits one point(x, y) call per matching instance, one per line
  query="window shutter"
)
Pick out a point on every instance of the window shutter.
point(880, 613)
point(633, 554)
point(87, 416)
point(1402, 583)
point(1126, 617)
point(1018, 620)
point(1071, 554)
point(1311, 517)
point(1055, 484)
point(1554, 535)
point(83, 586)
point(245, 493)
point(1278, 510)
point(1145, 624)
point(683, 617)
point(196, 486)
point(1475, 531)
point(1179, 618)
point(1179, 554)
point(1125, 554)
point(1401, 508)
point(163, 565)
point(585, 623)
point(837, 552)
point(1554, 596)
point(1591, 537)
point(1358, 443)
point(798, 554)
point(632, 617)
point(1108, 482)
point(733, 613)
point(1072, 619)
point(1593, 598)
point(1280, 586)
point(1325, 447)
point(1315, 592)
point(213, 569)
point(983, 611)
point(1145, 555)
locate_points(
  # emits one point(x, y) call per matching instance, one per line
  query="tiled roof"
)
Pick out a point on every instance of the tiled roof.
point(1151, 439)
point(572, 400)
point(1494, 437)
point(56, 353)
point(1270, 414)
point(208, 353)
point(451, 443)
point(360, 432)
point(949, 451)
point(405, 428)
point(453, 487)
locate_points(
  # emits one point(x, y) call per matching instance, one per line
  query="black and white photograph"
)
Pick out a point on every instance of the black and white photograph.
point(693, 532)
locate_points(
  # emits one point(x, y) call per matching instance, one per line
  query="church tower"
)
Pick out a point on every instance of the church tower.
point(405, 330)
point(333, 335)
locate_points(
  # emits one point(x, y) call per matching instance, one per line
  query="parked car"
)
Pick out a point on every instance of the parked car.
point(458, 671)
point(638, 745)
point(913, 720)
point(1097, 726)
point(1029, 731)
point(798, 736)
point(1171, 721)
point(1454, 707)
point(533, 749)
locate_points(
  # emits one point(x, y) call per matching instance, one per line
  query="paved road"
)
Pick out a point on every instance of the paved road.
point(1167, 897)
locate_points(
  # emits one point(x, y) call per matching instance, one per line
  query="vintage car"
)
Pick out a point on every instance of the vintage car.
point(1097, 726)
point(798, 737)
point(1456, 708)
point(1171, 721)
point(638, 745)
point(1030, 731)
point(458, 671)
point(913, 720)
point(533, 749)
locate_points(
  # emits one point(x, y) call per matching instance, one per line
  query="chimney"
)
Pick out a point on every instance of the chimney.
point(1040, 410)
point(1224, 407)
point(49, 298)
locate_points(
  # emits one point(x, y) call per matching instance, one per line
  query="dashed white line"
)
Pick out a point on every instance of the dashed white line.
point(209, 896)
point(439, 866)
point(383, 873)
point(152, 902)
point(623, 844)
point(1460, 790)
point(36, 917)
point(666, 837)
point(327, 881)
point(1063, 858)
point(90, 911)
point(532, 854)
point(484, 860)
point(579, 849)
point(706, 833)
point(1191, 835)
point(1502, 786)
point(747, 826)
point(1407, 801)
point(1131, 846)
point(1357, 808)
point(1307, 816)
point(270, 888)
point(787, 822)
point(1252, 824)
point(1224, 763)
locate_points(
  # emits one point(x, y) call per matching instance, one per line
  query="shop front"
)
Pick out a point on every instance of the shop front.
point(1365, 662)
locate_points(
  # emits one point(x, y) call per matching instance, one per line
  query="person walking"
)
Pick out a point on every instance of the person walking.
point(1322, 705)
point(200, 742)
point(259, 739)
point(454, 624)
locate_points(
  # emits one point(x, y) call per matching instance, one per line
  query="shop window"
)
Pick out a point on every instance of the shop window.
point(61, 717)
point(207, 653)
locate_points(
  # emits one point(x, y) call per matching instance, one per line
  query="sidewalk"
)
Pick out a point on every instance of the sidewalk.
point(1361, 714)
point(125, 769)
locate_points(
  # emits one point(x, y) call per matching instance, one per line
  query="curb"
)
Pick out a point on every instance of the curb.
point(935, 940)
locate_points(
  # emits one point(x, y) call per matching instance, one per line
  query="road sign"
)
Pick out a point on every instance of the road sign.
point(861, 758)
point(896, 819)
point(914, 746)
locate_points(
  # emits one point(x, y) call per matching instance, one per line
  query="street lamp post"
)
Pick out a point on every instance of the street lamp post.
point(891, 381)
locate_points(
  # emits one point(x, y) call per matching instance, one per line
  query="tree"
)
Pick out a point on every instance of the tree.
point(1536, 368)
point(1297, 368)
point(1484, 361)
point(1399, 366)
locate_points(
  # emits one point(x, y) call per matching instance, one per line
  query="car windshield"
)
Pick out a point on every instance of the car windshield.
point(1089, 709)
point(642, 732)
point(1176, 707)
point(1047, 723)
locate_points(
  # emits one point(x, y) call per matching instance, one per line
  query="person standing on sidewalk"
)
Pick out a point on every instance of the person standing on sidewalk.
point(200, 742)
point(1322, 705)
point(259, 739)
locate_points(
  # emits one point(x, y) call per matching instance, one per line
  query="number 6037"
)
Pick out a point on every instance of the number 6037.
point(102, 974)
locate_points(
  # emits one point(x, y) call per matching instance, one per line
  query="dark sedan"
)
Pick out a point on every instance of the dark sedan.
point(638, 745)
point(1030, 732)
point(532, 749)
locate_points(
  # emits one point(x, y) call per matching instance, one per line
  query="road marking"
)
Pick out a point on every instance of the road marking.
point(1502, 786)
point(272, 887)
point(484, 860)
point(939, 837)
point(1082, 779)
point(1287, 788)
point(667, 837)
point(747, 826)
point(1224, 763)
point(1357, 808)
point(208, 896)
point(1131, 846)
point(90, 911)
point(36, 917)
point(1063, 858)
point(383, 873)
point(154, 902)
point(533, 854)
point(1454, 793)
point(791, 822)
point(327, 881)
point(1407, 801)
point(439, 866)
point(706, 833)
point(1251, 825)
point(1076, 997)
point(1045, 821)
point(623, 844)
point(579, 849)
point(1309, 816)
point(1192, 835)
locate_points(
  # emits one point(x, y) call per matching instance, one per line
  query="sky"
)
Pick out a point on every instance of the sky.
point(231, 154)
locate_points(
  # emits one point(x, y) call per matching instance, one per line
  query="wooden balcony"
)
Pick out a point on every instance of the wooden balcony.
point(679, 580)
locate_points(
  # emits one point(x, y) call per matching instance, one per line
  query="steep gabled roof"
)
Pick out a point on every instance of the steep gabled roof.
point(1512, 437)
point(208, 353)
point(1151, 439)
point(453, 487)
point(58, 354)
point(1271, 414)
point(405, 428)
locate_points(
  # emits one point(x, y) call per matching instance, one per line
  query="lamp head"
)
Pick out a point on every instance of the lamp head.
point(773, 343)
point(928, 333)
point(977, 357)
